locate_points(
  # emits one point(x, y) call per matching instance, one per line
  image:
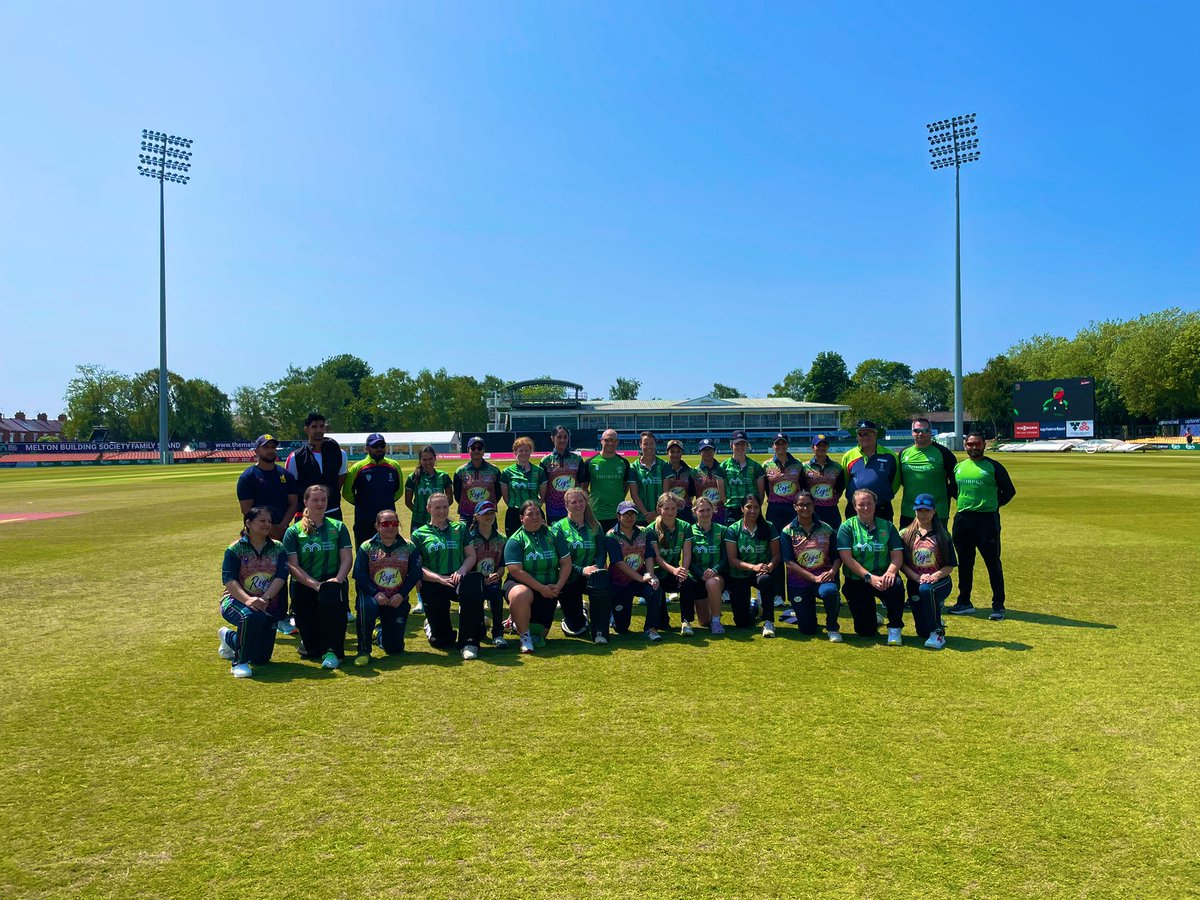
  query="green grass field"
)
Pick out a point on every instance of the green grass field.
point(1052, 754)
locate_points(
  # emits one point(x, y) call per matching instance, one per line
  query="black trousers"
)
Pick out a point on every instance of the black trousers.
point(978, 531)
point(622, 606)
point(803, 598)
point(769, 587)
point(392, 621)
point(570, 601)
point(780, 514)
point(860, 597)
point(690, 591)
point(512, 520)
point(541, 609)
point(439, 628)
point(322, 625)
point(829, 515)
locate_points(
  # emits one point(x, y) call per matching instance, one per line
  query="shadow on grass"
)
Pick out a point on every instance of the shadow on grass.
point(1038, 618)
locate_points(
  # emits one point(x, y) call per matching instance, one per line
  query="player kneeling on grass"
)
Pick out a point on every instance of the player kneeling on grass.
point(584, 539)
point(928, 561)
point(872, 554)
point(386, 568)
point(631, 552)
point(673, 558)
point(539, 564)
point(709, 564)
point(446, 557)
point(488, 544)
point(255, 575)
point(752, 549)
point(808, 548)
point(318, 550)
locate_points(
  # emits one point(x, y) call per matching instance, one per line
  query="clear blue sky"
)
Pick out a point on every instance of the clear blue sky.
point(678, 192)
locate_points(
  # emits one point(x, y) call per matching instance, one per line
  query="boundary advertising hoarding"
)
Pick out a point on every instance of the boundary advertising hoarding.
point(1046, 410)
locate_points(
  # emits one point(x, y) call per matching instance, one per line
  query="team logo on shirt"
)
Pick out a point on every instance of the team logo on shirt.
point(256, 583)
point(633, 561)
point(923, 556)
point(784, 488)
point(822, 491)
point(679, 492)
point(487, 567)
point(712, 495)
point(564, 483)
point(478, 494)
point(388, 577)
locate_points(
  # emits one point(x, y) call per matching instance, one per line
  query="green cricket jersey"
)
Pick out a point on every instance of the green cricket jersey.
point(608, 480)
point(740, 482)
point(670, 544)
point(538, 554)
point(924, 471)
point(708, 549)
point(649, 480)
point(983, 486)
point(585, 544)
point(523, 485)
point(442, 549)
point(317, 552)
point(871, 547)
point(752, 546)
point(422, 486)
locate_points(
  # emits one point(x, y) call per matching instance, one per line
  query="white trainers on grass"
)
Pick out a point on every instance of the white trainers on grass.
point(226, 648)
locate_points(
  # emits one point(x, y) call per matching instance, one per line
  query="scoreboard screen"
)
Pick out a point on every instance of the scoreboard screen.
point(1063, 408)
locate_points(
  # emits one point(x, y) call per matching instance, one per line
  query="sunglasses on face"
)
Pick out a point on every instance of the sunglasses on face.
point(920, 431)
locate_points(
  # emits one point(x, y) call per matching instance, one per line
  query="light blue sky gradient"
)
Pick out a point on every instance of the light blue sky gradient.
point(684, 193)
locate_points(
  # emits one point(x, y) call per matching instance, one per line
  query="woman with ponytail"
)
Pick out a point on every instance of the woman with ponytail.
point(318, 550)
point(255, 576)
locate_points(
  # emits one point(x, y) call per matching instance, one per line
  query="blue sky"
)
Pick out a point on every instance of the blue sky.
point(684, 193)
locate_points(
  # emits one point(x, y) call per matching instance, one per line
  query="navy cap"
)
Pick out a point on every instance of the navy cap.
point(626, 506)
point(375, 438)
point(706, 444)
point(781, 437)
point(487, 506)
point(867, 423)
point(475, 440)
point(924, 501)
point(265, 439)
point(820, 439)
point(738, 436)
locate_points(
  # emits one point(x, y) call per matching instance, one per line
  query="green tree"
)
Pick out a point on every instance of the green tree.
point(725, 392)
point(794, 386)
point(252, 415)
point(888, 409)
point(935, 389)
point(882, 374)
point(97, 396)
point(828, 378)
point(301, 391)
point(1140, 365)
point(625, 389)
point(989, 394)
point(200, 411)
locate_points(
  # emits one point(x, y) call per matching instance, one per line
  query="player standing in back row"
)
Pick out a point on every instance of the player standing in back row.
point(983, 487)
point(565, 469)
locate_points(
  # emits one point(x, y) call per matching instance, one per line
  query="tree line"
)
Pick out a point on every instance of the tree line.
point(1145, 368)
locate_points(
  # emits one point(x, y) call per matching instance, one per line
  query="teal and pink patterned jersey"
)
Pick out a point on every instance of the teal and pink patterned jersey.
point(633, 551)
point(474, 485)
point(783, 480)
point(812, 550)
point(562, 474)
point(253, 570)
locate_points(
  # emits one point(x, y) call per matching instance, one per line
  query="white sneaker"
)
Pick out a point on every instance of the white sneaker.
point(242, 671)
point(469, 652)
point(686, 629)
point(601, 639)
point(419, 609)
point(893, 639)
point(936, 641)
point(499, 643)
point(768, 629)
point(778, 602)
point(225, 648)
point(724, 596)
point(716, 627)
point(527, 643)
point(285, 627)
point(879, 619)
point(835, 637)
point(639, 601)
point(330, 661)
point(652, 635)
point(672, 598)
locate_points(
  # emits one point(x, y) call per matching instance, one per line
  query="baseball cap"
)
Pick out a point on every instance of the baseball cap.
point(781, 437)
point(487, 506)
point(706, 444)
point(265, 439)
point(820, 439)
point(475, 440)
point(867, 423)
point(375, 438)
point(674, 443)
point(626, 506)
point(924, 501)
point(738, 436)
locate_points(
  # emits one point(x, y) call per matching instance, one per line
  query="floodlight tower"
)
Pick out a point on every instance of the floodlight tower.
point(953, 142)
point(165, 157)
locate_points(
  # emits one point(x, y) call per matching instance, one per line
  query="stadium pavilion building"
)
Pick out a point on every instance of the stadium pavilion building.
point(535, 407)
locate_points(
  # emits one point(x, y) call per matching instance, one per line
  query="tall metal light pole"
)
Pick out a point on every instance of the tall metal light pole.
point(166, 157)
point(954, 143)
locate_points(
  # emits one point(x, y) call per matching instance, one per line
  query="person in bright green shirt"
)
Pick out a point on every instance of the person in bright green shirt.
point(872, 553)
point(422, 484)
point(520, 482)
point(446, 556)
point(926, 468)
point(673, 538)
point(752, 551)
point(585, 540)
point(983, 487)
point(318, 549)
point(539, 564)
point(608, 480)
point(709, 562)
point(744, 477)
point(649, 473)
